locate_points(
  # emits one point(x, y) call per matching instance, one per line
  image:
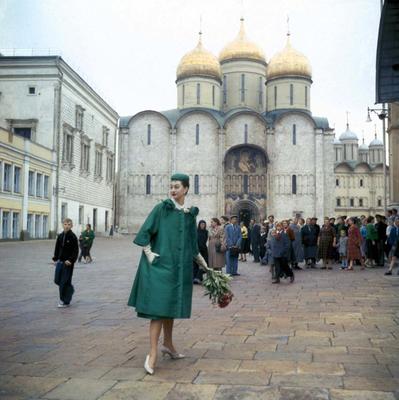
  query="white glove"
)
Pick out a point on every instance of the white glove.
point(149, 253)
point(201, 262)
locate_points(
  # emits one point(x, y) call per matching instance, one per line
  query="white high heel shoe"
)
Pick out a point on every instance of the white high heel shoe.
point(147, 367)
point(171, 354)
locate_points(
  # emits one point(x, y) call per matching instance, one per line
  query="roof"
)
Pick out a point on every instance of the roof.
point(376, 143)
point(269, 117)
point(348, 135)
point(387, 60)
point(354, 164)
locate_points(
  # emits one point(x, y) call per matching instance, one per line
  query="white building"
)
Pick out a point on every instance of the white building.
point(243, 130)
point(44, 100)
point(359, 176)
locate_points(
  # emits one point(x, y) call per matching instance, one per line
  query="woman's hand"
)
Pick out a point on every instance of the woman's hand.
point(150, 254)
point(201, 262)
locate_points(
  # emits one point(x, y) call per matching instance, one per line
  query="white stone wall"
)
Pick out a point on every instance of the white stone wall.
point(201, 160)
point(209, 93)
point(16, 102)
point(253, 72)
point(287, 159)
point(349, 187)
point(283, 93)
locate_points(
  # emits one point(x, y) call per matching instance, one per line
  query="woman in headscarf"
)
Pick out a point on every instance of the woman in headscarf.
point(202, 239)
point(162, 289)
point(216, 245)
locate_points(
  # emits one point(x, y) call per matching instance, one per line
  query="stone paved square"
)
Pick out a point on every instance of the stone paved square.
point(331, 335)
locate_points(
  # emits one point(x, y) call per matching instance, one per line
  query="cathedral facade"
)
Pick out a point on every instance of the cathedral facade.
point(243, 131)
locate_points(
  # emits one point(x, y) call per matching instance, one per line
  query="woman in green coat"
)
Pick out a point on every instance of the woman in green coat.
point(162, 289)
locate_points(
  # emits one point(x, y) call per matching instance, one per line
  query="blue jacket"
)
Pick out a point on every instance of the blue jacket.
point(233, 235)
point(280, 246)
point(393, 236)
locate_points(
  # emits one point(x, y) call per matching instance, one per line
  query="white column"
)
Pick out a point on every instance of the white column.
point(319, 190)
point(25, 198)
point(173, 153)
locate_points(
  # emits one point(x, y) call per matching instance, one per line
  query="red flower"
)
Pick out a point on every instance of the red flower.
point(225, 300)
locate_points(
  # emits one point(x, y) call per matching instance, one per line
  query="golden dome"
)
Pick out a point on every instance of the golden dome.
point(289, 62)
point(242, 48)
point(199, 62)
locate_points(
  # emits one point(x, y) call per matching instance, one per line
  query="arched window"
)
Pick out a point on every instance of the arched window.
point(361, 182)
point(245, 184)
point(260, 91)
point(196, 184)
point(338, 202)
point(360, 202)
point(224, 89)
point(149, 134)
point(293, 184)
point(294, 134)
point(242, 87)
point(275, 96)
point(246, 133)
point(291, 94)
point(197, 134)
point(184, 93)
point(306, 96)
point(213, 95)
point(198, 93)
point(148, 184)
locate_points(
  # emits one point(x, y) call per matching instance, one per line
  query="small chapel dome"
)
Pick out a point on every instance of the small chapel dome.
point(376, 142)
point(242, 48)
point(348, 135)
point(289, 62)
point(363, 146)
point(337, 142)
point(199, 62)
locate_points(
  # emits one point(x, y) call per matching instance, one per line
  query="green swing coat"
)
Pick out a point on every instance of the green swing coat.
point(164, 288)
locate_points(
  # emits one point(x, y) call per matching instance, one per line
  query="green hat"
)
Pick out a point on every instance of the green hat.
point(185, 179)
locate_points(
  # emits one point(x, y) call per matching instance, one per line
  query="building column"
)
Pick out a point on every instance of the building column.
point(393, 138)
point(319, 189)
point(25, 197)
point(220, 177)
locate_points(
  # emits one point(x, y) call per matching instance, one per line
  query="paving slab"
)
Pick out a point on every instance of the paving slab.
point(327, 336)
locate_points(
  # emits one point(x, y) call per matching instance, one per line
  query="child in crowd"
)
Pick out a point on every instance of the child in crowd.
point(343, 248)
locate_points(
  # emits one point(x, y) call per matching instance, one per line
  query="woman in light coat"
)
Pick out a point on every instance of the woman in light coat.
point(216, 245)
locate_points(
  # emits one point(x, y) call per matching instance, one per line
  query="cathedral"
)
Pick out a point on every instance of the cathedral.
point(243, 131)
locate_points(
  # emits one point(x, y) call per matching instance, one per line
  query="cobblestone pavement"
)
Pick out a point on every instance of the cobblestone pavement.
point(331, 335)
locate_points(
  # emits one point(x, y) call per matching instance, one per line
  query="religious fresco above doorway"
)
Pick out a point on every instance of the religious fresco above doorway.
point(245, 170)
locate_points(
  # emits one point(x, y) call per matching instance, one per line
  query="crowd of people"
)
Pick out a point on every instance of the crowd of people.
point(294, 244)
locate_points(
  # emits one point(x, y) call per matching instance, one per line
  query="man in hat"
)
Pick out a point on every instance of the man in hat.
point(233, 241)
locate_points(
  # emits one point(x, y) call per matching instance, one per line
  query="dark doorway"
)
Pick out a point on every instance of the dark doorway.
point(245, 216)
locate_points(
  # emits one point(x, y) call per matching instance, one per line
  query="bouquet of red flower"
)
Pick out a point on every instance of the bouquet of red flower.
point(217, 287)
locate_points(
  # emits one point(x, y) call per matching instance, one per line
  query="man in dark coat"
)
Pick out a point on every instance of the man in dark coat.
point(381, 228)
point(65, 255)
point(255, 241)
point(310, 233)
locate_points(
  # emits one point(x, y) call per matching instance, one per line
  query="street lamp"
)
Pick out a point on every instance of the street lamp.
point(382, 114)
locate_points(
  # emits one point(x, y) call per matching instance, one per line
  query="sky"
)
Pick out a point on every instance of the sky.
point(128, 50)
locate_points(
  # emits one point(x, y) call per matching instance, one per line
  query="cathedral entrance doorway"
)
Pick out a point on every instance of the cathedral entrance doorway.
point(245, 182)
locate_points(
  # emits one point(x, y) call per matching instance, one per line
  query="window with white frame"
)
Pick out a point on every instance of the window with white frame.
point(31, 183)
point(64, 211)
point(38, 232)
point(79, 115)
point(7, 183)
point(23, 127)
point(30, 224)
point(110, 168)
point(81, 214)
point(67, 151)
point(242, 88)
point(98, 165)
point(39, 185)
point(45, 226)
point(15, 225)
point(105, 136)
point(198, 93)
point(85, 156)
point(45, 186)
point(17, 179)
point(5, 229)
